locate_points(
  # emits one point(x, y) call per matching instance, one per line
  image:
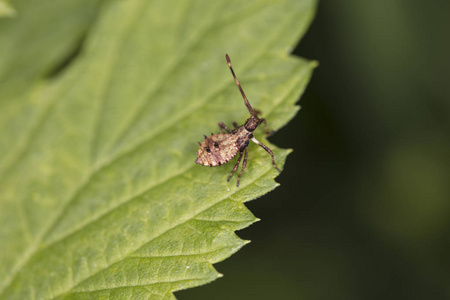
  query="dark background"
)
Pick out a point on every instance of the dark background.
point(363, 210)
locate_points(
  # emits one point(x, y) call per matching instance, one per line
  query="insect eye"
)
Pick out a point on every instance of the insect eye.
point(207, 149)
point(216, 145)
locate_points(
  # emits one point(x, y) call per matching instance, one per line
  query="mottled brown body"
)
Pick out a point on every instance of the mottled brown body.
point(220, 148)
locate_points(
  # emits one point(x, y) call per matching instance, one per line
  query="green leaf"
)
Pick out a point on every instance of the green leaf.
point(99, 193)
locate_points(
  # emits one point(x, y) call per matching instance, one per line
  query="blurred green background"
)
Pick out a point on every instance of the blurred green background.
point(363, 210)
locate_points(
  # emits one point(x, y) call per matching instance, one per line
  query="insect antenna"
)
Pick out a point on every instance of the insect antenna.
point(249, 107)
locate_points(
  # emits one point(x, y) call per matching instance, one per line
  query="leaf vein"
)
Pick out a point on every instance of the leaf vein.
point(174, 226)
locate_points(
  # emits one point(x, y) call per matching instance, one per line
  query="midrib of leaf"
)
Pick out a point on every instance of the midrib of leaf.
point(14, 159)
point(22, 150)
point(24, 147)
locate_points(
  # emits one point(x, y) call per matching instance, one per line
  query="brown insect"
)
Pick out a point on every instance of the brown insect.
point(220, 148)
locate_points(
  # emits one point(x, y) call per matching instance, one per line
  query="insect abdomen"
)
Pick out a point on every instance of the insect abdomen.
point(217, 150)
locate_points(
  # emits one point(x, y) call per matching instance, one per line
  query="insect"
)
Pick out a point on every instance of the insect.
point(220, 148)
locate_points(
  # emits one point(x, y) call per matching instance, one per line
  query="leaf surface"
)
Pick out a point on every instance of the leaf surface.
point(99, 193)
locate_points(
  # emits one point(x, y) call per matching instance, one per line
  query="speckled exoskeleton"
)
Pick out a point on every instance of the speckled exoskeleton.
point(220, 148)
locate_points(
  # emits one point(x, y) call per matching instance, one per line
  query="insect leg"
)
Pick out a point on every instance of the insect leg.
point(268, 151)
point(244, 164)
point(235, 166)
point(223, 126)
point(235, 125)
point(269, 133)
